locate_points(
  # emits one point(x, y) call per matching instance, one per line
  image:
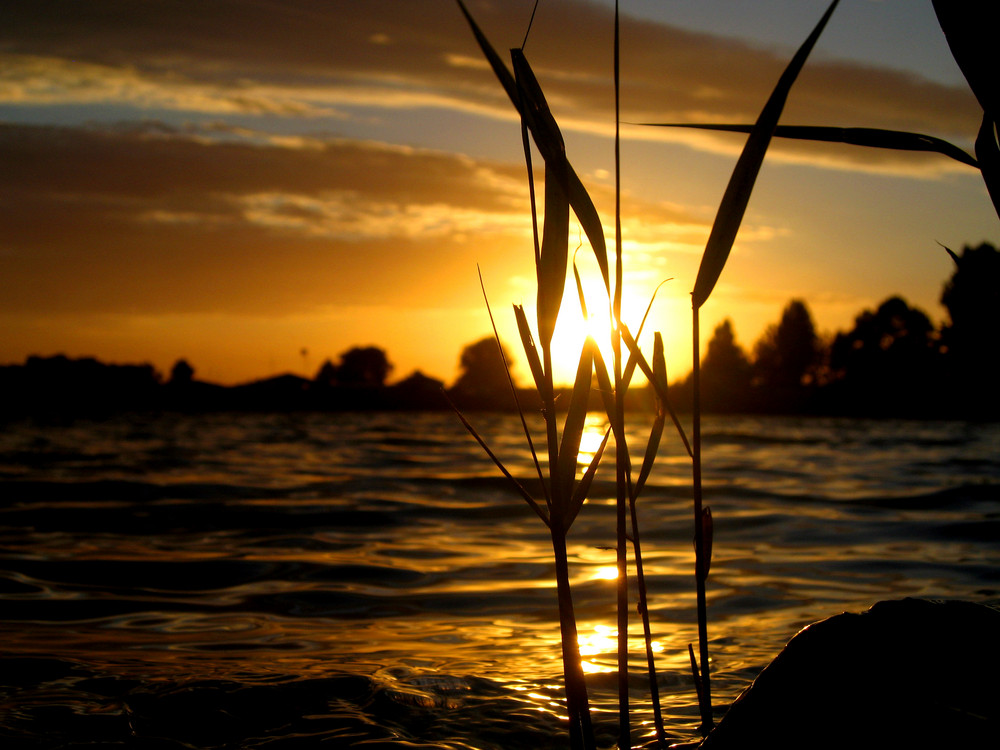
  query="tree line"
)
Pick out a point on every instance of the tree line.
point(893, 362)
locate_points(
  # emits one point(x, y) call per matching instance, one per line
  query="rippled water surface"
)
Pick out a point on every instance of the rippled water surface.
point(271, 581)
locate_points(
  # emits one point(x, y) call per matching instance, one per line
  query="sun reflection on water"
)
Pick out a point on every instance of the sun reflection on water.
point(590, 441)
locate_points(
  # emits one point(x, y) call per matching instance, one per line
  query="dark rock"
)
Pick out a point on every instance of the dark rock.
point(905, 674)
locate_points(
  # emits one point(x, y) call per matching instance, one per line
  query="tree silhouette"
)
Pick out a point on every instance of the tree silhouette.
point(973, 336)
point(725, 372)
point(787, 352)
point(483, 379)
point(365, 366)
point(181, 373)
point(326, 375)
point(888, 363)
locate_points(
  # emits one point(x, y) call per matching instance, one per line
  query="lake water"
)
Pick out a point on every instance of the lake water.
point(332, 580)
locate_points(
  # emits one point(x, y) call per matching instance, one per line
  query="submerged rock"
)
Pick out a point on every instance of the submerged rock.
point(909, 674)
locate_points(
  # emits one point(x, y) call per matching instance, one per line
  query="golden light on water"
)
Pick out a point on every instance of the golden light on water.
point(590, 441)
point(602, 640)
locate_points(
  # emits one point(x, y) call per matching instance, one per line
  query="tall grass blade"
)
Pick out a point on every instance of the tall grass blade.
point(988, 153)
point(586, 481)
point(503, 469)
point(737, 194)
point(696, 673)
point(707, 533)
point(661, 390)
point(656, 432)
point(535, 109)
point(870, 137)
point(972, 40)
point(579, 198)
point(513, 393)
point(971, 37)
point(530, 352)
point(631, 362)
point(551, 269)
point(607, 392)
point(545, 131)
point(576, 419)
point(579, 288)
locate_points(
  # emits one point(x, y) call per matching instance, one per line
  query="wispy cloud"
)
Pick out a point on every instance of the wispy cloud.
point(311, 59)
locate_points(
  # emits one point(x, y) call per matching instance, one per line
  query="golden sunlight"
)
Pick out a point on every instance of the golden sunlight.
point(605, 573)
point(573, 328)
point(603, 640)
point(590, 441)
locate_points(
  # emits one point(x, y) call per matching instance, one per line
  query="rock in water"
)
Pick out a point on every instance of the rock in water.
point(908, 674)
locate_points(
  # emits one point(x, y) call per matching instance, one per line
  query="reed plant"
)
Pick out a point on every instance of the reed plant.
point(562, 493)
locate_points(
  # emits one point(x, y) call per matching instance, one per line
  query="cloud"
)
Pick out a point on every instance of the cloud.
point(147, 219)
point(312, 59)
point(153, 219)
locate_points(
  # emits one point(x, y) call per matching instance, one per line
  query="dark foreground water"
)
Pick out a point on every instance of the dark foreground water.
point(299, 581)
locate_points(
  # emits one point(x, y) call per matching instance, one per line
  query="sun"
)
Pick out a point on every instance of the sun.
point(572, 330)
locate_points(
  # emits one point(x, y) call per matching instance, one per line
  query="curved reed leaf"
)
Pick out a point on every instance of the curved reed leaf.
point(535, 109)
point(579, 198)
point(630, 363)
point(870, 137)
point(707, 531)
point(545, 131)
point(661, 388)
point(576, 418)
point(583, 486)
point(579, 288)
point(513, 393)
point(737, 195)
point(503, 469)
point(988, 153)
point(530, 352)
point(607, 392)
point(972, 40)
point(551, 268)
point(655, 434)
point(495, 61)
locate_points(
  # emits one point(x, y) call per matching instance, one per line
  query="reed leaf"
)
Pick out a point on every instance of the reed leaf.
point(870, 137)
point(579, 288)
point(551, 268)
point(600, 366)
point(545, 131)
point(660, 388)
point(583, 486)
point(499, 464)
point(971, 37)
point(737, 194)
point(579, 198)
point(607, 392)
point(530, 352)
point(535, 109)
point(988, 153)
point(656, 432)
point(576, 418)
point(513, 393)
point(707, 531)
point(631, 362)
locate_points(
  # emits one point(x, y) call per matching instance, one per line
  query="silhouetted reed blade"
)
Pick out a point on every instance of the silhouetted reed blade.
point(563, 494)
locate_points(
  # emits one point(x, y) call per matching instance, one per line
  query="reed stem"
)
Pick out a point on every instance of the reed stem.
point(621, 449)
point(702, 677)
point(581, 730)
point(654, 688)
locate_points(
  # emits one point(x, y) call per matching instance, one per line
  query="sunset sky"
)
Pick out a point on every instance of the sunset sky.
point(257, 186)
